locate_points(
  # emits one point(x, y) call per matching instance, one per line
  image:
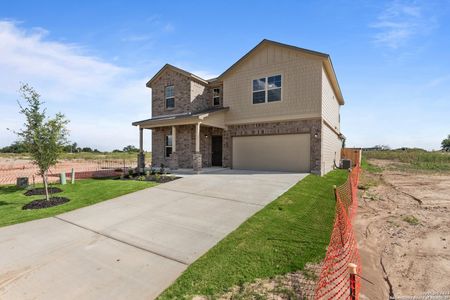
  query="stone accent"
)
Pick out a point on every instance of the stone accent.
point(173, 162)
point(197, 161)
point(312, 126)
point(141, 162)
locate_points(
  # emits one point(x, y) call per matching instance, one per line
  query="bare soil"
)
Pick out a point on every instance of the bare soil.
point(11, 168)
point(403, 229)
point(292, 286)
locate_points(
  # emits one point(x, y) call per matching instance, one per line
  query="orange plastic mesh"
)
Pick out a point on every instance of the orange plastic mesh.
point(334, 281)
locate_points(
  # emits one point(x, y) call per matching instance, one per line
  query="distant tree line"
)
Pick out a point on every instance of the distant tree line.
point(19, 147)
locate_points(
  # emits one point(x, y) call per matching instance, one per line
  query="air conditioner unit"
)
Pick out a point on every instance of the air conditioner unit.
point(346, 164)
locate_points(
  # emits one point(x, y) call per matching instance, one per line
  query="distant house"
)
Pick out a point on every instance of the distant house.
point(277, 109)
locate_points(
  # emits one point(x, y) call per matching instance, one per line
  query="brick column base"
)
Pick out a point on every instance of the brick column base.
point(173, 163)
point(197, 161)
point(141, 162)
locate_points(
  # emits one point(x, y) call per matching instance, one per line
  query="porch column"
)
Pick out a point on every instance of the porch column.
point(197, 156)
point(174, 139)
point(141, 155)
point(173, 162)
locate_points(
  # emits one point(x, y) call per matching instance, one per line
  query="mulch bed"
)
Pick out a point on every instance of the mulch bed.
point(160, 179)
point(164, 179)
point(42, 203)
point(41, 191)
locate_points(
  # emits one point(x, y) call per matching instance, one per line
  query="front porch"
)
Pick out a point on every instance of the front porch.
point(185, 142)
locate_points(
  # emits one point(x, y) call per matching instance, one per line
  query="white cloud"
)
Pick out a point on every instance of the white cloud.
point(400, 22)
point(82, 86)
point(169, 27)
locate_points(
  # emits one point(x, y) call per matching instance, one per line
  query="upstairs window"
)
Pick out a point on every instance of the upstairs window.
point(267, 89)
point(168, 145)
point(169, 96)
point(216, 97)
point(259, 90)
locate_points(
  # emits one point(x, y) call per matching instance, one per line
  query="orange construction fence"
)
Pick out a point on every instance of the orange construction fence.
point(337, 280)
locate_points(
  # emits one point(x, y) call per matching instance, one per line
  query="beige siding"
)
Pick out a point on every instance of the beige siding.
point(331, 149)
point(301, 86)
point(330, 105)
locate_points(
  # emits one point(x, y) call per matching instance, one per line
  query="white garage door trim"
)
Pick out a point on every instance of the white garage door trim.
point(283, 152)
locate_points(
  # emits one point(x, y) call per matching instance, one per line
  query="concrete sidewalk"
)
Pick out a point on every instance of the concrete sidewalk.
point(133, 246)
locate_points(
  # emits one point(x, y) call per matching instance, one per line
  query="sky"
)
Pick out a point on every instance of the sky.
point(91, 59)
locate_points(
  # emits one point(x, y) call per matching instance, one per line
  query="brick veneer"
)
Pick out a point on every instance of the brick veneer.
point(190, 95)
point(286, 127)
point(185, 145)
point(186, 141)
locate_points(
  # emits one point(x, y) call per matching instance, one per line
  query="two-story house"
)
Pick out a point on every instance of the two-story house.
point(276, 108)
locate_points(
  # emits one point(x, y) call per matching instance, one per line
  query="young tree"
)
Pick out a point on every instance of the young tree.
point(43, 137)
point(446, 144)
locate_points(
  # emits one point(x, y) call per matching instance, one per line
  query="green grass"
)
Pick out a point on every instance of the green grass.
point(411, 220)
point(82, 193)
point(365, 165)
point(281, 238)
point(414, 159)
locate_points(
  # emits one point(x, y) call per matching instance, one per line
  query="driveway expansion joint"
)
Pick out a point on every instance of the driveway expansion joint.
point(207, 196)
point(123, 242)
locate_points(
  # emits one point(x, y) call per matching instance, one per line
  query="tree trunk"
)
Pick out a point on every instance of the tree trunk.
point(45, 179)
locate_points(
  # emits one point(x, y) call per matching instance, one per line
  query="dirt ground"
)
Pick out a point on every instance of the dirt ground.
point(11, 168)
point(292, 286)
point(403, 230)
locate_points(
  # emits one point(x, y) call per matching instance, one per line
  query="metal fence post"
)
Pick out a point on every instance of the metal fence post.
point(352, 271)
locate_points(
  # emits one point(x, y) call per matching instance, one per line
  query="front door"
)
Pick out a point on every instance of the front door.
point(216, 150)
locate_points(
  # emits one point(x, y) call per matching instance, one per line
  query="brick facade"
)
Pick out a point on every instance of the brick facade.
point(186, 141)
point(190, 95)
point(286, 127)
point(185, 147)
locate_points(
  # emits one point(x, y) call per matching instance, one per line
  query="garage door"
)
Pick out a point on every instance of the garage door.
point(286, 152)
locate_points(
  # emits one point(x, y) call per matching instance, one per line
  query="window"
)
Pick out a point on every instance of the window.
point(216, 97)
point(168, 145)
point(170, 98)
point(267, 89)
point(259, 90)
point(274, 88)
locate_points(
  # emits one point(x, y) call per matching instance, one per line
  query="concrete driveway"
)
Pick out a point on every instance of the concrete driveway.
point(134, 246)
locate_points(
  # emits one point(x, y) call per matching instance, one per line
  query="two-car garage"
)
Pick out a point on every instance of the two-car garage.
point(283, 152)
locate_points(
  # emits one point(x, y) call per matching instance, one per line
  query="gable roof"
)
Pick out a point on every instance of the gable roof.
point(178, 70)
point(326, 60)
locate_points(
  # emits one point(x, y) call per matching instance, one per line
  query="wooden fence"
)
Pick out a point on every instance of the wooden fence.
point(354, 154)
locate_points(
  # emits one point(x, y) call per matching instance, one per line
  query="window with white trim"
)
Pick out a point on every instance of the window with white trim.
point(168, 145)
point(169, 96)
point(267, 89)
point(216, 97)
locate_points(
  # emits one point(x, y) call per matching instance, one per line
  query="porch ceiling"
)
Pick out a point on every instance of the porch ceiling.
point(212, 117)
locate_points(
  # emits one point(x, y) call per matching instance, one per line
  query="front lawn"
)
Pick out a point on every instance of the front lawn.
point(82, 193)
point(285, 235)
